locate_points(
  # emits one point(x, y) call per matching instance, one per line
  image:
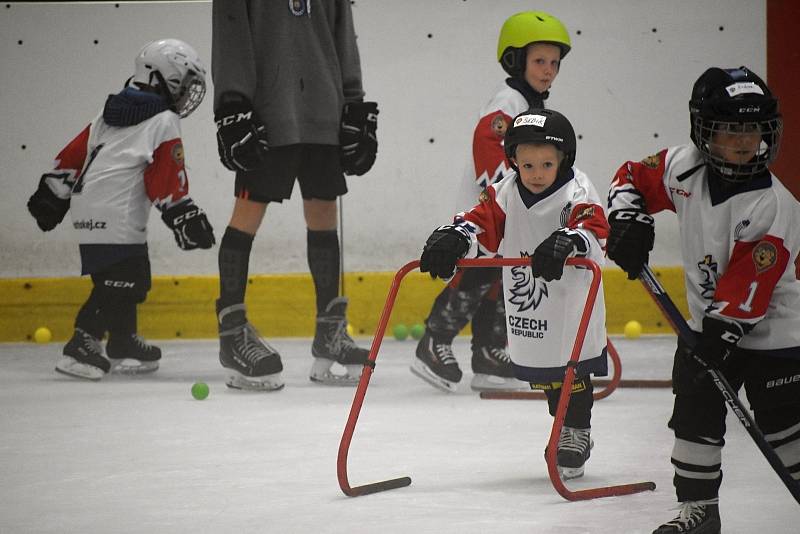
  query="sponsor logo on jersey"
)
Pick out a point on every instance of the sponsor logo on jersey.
point(765, 255)
point(741, 227)
point(298, 8)
point(680, 192)
point(783, 381)
point(652, 161)
point(527, 292)
point(89, 224)
point(530, 120)
point(177, 154)
point(499, 125)
point(577, 386)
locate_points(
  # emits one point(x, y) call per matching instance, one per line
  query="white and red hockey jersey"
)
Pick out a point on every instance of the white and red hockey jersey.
point(487, 159)
point(543, 317)
point(113, 175)
point(739, 249)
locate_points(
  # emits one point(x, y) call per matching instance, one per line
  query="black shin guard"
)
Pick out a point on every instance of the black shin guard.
point(579, 411)
point(323, 262)
point(234, 261)
point(89, 318)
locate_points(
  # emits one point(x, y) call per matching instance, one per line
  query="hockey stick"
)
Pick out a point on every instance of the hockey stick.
point(673, 315)
point(341, 247)
point(558, 423)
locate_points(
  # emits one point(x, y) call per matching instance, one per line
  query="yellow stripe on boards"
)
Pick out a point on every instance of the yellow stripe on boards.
point(282, 305)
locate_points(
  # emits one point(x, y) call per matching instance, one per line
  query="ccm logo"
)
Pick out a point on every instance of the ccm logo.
point(680, 192)
point(232, 119)
point(185, 216)
point(119, 283)
point(783, 381)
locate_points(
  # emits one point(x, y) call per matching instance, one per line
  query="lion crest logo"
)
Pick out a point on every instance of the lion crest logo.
point(527, 292)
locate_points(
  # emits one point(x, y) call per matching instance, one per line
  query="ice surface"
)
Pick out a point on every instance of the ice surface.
point(139, 454)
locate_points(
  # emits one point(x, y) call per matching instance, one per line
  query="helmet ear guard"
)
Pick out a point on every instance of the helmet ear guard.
point(738, 102)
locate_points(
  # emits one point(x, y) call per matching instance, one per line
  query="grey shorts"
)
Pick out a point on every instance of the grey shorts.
point(316, 167)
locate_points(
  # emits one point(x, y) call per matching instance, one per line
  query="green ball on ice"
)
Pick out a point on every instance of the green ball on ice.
point(200, 390)
point(400, 332)
point(417, 331)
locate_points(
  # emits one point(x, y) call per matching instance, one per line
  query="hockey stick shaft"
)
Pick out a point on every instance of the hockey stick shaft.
point(674, 316)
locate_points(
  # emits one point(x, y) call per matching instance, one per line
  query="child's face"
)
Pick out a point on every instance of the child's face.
point(538, 166)
point(541, 65)
point(737, 144)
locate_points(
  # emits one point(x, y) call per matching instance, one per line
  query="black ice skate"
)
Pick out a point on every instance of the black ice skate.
point(436, 364)
point(83, 357)
point(132, 355)
point(695, 517)
point(574, 448)
point(492, 370)
point(332, 344)
point(253, 364)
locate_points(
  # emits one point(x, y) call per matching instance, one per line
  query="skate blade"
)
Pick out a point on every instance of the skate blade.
point(569, 473)
point(422, 371)
point(484, 382)
point(131, 366)
point(321, 373)
point(272, 382)
point(69, 366)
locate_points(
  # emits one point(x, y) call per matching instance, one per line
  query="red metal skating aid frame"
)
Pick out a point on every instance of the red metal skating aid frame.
point(558, 423)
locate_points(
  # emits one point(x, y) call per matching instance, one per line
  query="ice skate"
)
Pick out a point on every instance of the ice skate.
point(492, 370)
point(436, 364)
point(574, 448)
point(83, 357)
point(332, 344)
point(132, 355)
point(252, 363)
point(695, 517)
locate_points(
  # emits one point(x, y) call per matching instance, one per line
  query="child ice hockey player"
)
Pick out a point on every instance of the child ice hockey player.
point(128, 158)
point(739, 244)
point(530, 48)
point(549, 210)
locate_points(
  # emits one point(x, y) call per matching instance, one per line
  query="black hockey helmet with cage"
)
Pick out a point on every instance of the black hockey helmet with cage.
point(542, 126)
point(734, 101)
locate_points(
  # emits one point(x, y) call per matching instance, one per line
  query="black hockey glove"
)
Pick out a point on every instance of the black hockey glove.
point(190, 225)
point(241, 136)
point(631, 240)
point(357, 137)
point(46, 207)
point(446, 245)
point(549, 257)
point(718, 339)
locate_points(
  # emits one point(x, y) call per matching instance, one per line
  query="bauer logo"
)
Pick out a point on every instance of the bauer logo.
point(783, 381)
point(530, 120)
point(740, 88)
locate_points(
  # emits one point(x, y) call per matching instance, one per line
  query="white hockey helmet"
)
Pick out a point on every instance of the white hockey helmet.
point(174, 68)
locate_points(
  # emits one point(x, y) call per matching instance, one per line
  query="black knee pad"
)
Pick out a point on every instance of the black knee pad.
point(128, 280)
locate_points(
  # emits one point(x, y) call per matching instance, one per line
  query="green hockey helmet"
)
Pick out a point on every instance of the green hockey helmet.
point(524, 28)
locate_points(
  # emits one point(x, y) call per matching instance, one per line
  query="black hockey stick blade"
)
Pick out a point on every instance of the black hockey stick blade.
point(673, 315)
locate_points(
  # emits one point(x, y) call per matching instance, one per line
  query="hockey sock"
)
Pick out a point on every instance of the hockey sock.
point(323, 262)
point(234, 261)
point(489, 323)
point(121, 315)
point(579, 411)
point(89, 319)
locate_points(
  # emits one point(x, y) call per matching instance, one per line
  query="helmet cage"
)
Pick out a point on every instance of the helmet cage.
point(704, 130)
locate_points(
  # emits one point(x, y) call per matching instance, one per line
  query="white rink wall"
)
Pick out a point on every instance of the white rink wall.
point(430, 65)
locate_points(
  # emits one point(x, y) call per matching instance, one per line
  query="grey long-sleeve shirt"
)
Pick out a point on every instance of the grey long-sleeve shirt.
point(298, 70)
